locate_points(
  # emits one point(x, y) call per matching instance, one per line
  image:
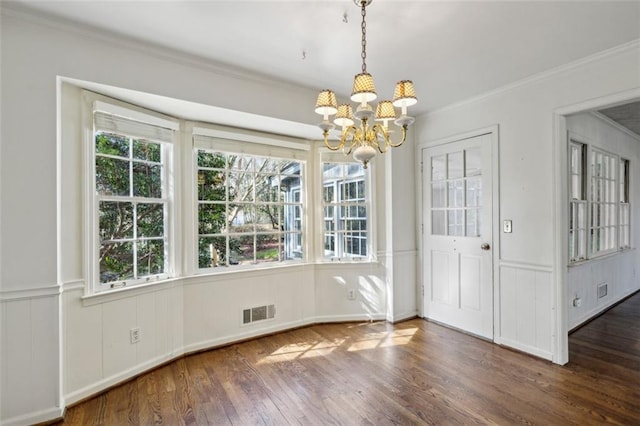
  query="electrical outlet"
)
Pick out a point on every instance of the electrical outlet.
point(134, 335)
point(577, 302)
point(351, 294)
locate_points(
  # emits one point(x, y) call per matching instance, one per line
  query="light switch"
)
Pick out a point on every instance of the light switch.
point(506, 226)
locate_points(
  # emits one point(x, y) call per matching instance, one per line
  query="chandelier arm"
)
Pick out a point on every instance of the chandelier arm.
point(328, 144)
point(396, 144)
point(349, 131)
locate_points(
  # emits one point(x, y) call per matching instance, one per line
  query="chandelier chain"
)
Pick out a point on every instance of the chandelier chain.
point(364, 38)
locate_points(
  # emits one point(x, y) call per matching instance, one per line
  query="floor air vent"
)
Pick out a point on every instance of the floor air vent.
point(259, 313)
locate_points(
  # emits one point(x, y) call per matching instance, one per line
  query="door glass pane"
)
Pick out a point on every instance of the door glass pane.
point(473, 162)
point(438, 168)
point(456, 193)
point(438, 222)
point(456, 222)
point(438, 195)
point(454, 165)
point(474, 192)
point(473, 224)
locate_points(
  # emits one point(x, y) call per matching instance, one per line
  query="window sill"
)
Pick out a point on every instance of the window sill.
point(126, 292)
point(600, 257)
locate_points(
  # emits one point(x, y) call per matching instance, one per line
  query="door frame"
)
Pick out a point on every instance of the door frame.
point(493, 130)
point(561, 213)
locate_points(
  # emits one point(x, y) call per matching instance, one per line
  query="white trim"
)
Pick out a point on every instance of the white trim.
point(616, 125)
point(130, 114)
point(128, 292)
point(99, 386)
point(73, 285)
point(245, 135)
point(52, 290)
point(526, 265)
point(525, 348)
point(629, 46)
point(560, 195)
point(39, 417)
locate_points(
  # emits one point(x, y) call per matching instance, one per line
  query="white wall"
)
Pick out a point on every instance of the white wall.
point(619, 271)
point(527, 266)
point(58, 347)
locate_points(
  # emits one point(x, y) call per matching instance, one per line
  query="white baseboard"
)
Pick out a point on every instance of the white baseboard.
point(102, 385)
point(34, 418)
point(525, 348)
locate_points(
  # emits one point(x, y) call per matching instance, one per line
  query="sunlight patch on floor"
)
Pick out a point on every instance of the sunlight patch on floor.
point(383, 339)
point(302, 350)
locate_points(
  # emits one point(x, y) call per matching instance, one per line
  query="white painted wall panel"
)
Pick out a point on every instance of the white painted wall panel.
point(118, 317)
point(525, 309)
point(83, 342)
point(29, 325)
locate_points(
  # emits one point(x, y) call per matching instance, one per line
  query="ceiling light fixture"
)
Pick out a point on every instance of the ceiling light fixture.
point(365, 139)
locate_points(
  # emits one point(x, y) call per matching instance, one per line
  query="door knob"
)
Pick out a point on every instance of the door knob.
point(485, 246)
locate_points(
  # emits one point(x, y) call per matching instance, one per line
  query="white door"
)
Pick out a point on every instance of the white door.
point(457, 243)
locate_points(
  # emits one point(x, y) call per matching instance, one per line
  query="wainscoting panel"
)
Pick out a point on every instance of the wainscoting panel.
point(526, 303)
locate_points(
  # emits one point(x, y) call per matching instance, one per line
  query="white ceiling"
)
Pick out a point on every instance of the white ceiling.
point(451, 50)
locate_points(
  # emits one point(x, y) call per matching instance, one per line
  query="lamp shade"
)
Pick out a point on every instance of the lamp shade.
point(344, 117)
point(385, 111)
point(363, 88)
point(404, 94)
point(326, 103)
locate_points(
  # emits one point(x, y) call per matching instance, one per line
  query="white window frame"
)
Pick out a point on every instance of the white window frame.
point(217, 138)
point(624, 221)
point(601, 200)
point(340, 254)
point(136, 123)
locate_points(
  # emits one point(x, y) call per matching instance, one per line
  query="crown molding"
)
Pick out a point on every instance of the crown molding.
point(623, 48)
point(20, 11)
point(616, 125)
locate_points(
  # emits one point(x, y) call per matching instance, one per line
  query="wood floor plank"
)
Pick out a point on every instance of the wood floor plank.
point(415, 372)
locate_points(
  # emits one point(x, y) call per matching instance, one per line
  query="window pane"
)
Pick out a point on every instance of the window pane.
point(329, 193)
point(211, 159)
point(289, 184)
point(212, 185)
point(241, 186)
point(145, 150)
point(241, 249)
point(116, 220)
point(112, 176)
point(212, 218)
point(212, 251)
point(147, 180)
point(150, 219)
point(241, 218)
point(116, 261)
point(150, 257)
point(268, 247)
point(110, 144)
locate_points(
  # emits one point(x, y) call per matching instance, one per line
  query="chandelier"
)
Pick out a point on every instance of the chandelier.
point(364, 139)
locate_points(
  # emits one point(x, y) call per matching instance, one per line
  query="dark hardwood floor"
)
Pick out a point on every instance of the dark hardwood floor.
point(415, 372)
